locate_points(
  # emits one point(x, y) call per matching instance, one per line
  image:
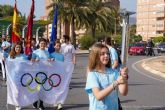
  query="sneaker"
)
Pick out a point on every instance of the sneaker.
point(41, 108)
point(59, 106)
point(18, 108)
point(35, 105)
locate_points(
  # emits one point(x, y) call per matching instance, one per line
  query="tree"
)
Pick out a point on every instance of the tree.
point(71, 12)
point(6, 10)
point(101, 16)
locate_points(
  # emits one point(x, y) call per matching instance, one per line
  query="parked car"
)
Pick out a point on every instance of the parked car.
point(138, 48)
point(161, 47)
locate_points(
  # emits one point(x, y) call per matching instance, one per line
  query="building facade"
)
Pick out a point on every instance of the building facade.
point(150, 18)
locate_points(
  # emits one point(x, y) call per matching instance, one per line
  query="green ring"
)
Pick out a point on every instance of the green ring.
point(37, 88)
point(50, 86)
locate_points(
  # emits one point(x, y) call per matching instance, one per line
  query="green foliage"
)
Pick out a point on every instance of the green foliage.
point(101, 35)
point(86, 42)
point(135, 38)
point(159, 39)
point(6, 10)
point(117, 39)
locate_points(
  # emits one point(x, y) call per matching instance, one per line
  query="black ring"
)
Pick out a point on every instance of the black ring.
point(29, 82)
point(44, 80)
point(50, 85)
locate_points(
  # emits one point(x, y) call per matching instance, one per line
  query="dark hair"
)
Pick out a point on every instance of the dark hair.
point(57, 41)
point(33, 39)
point(13, 53)
point(66, 37)
point(108, 41)
point(43, 40)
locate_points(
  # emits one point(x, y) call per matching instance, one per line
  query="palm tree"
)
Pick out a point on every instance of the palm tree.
point(84, 13)
point(72, 12)
point(101, 17)
point(6, 10)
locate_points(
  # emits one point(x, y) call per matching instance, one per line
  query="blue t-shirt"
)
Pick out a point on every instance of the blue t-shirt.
point(20, 57)
point(5, 44)
point(57, 56)
point(96, 79)
point(113, 55)
point(40, 54)
point(6, 51)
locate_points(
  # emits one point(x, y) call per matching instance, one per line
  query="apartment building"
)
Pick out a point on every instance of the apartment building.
point(150, 18)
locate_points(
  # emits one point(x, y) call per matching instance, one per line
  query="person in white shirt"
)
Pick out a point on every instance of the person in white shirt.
point(68, 50)
point(6, 46)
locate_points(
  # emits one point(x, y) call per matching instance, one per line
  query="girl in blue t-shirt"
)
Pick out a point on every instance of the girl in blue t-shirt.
point(103, 83)
point(57, 55)
point(18, 54)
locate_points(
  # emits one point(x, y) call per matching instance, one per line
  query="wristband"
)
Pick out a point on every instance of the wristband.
point(115, 84)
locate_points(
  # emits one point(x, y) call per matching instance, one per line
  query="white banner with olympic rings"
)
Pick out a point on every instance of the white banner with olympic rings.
point(28, 82)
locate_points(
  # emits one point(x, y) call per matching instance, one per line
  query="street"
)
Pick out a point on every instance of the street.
point(146, 91)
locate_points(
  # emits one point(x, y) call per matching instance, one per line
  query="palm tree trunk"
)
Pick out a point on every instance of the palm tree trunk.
point(73, 37)
point(60, 34)
point(93, 31)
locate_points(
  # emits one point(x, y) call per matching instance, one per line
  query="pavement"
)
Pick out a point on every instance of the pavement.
point(155, 65)
point(78, 51)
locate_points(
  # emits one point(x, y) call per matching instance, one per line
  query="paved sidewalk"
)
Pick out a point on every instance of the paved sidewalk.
point(155, 65)
point(78, 51)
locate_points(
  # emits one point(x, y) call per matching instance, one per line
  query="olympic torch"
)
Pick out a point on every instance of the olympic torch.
point(125, 36)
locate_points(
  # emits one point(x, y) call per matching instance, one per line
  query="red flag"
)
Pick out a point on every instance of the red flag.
point(29, 31)
point(15, 33)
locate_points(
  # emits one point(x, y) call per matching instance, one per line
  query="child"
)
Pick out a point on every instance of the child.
point(57, 55)
point(103, 82)
point(40, 54)
point(18, 54)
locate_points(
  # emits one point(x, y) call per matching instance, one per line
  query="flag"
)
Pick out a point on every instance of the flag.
point(54, 32)
point(44, 81)
point(29, 31)
point(15, 33)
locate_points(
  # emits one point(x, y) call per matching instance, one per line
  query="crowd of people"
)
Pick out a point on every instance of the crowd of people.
point(64, 51)
point(105, 75)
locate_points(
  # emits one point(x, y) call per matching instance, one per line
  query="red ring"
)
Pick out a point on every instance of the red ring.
point(57, 83)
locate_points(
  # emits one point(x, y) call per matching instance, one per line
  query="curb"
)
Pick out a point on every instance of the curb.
point(82, 52)
point(147, 68)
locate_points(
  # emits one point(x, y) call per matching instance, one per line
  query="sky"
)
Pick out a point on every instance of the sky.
point(130, 5)
point(24, 6)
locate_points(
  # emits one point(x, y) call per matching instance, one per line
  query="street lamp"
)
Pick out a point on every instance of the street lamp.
point(37, 31)
point(3, 30)
point(7, 29)
point(23, 31)
point(125, 35)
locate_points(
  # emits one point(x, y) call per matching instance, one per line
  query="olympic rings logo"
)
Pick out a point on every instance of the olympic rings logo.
point(40, 81)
